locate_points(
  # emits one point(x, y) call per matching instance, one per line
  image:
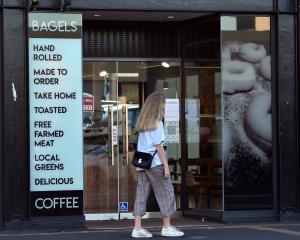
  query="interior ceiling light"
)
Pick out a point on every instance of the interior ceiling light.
point(97, 15)
point(103, 73)
point(165, 64)
point(170, 17)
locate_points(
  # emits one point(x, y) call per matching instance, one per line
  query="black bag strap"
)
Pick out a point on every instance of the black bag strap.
point(154, 153)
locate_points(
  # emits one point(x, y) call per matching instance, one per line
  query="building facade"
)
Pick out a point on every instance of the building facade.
point(228, 70)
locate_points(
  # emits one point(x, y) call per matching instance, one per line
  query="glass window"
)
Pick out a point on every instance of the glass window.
point(203, 135)
point(203, 118)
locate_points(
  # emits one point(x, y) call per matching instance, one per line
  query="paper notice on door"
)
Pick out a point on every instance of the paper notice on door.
point(192, 108)
point(172, 110)
point(193, 130)
point(172, 132)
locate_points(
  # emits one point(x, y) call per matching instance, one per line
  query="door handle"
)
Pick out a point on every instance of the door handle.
point(111, 157)
point(125, 134)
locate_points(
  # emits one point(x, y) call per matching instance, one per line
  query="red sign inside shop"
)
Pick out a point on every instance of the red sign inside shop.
point(88, 103)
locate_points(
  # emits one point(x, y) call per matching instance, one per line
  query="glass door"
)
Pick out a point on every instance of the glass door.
point(114, 92)
point(100, 108)
point(203, 136)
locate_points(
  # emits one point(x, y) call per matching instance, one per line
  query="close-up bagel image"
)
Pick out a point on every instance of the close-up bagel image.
point(237, 76)
point(258, 123)
point(252, 52)
point(247, 113)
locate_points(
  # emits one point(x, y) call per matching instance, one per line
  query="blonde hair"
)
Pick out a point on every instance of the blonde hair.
point(152, 112)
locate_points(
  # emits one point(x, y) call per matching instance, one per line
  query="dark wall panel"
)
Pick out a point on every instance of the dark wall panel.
point(170, 5)
point(15, 121)
point(200, 39)
point(287, 114)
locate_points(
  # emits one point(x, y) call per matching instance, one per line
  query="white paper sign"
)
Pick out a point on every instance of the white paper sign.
point(172, 110)
point(192, 108)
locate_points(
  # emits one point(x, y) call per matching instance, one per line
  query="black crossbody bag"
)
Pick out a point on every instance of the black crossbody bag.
point(142, 160)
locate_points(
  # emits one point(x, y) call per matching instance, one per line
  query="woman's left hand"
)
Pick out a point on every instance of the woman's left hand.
point(166, 171)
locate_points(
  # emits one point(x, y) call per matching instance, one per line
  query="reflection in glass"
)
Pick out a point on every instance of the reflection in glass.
point(99, 87)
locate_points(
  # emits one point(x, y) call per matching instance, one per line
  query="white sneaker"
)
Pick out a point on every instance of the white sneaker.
point(171, 232)
point(141, 233)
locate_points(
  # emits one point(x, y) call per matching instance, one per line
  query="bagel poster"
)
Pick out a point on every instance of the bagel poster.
point(55, 92)
point(247, 117)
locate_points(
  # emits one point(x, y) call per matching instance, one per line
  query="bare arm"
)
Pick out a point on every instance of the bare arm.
point(161, 154)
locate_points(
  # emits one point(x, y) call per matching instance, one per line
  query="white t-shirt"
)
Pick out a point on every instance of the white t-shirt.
point(147, 141)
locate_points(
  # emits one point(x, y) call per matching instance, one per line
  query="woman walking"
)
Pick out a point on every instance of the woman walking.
point(151, 139)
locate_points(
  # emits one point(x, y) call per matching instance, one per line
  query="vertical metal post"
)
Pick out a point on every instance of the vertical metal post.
point(183, 192)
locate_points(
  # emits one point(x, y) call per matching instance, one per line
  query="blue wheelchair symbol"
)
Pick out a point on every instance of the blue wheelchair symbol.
point(124, 206)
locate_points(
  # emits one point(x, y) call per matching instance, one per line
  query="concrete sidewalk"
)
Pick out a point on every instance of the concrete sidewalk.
point(194, 229)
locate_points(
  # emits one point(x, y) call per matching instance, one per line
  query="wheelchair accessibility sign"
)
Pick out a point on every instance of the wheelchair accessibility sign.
point(123, 206)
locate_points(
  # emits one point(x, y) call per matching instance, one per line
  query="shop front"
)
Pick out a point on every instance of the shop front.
point(217, 81)
point(90, 70)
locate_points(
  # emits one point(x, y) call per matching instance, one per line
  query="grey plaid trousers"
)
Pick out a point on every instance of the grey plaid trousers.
point(163, 190)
